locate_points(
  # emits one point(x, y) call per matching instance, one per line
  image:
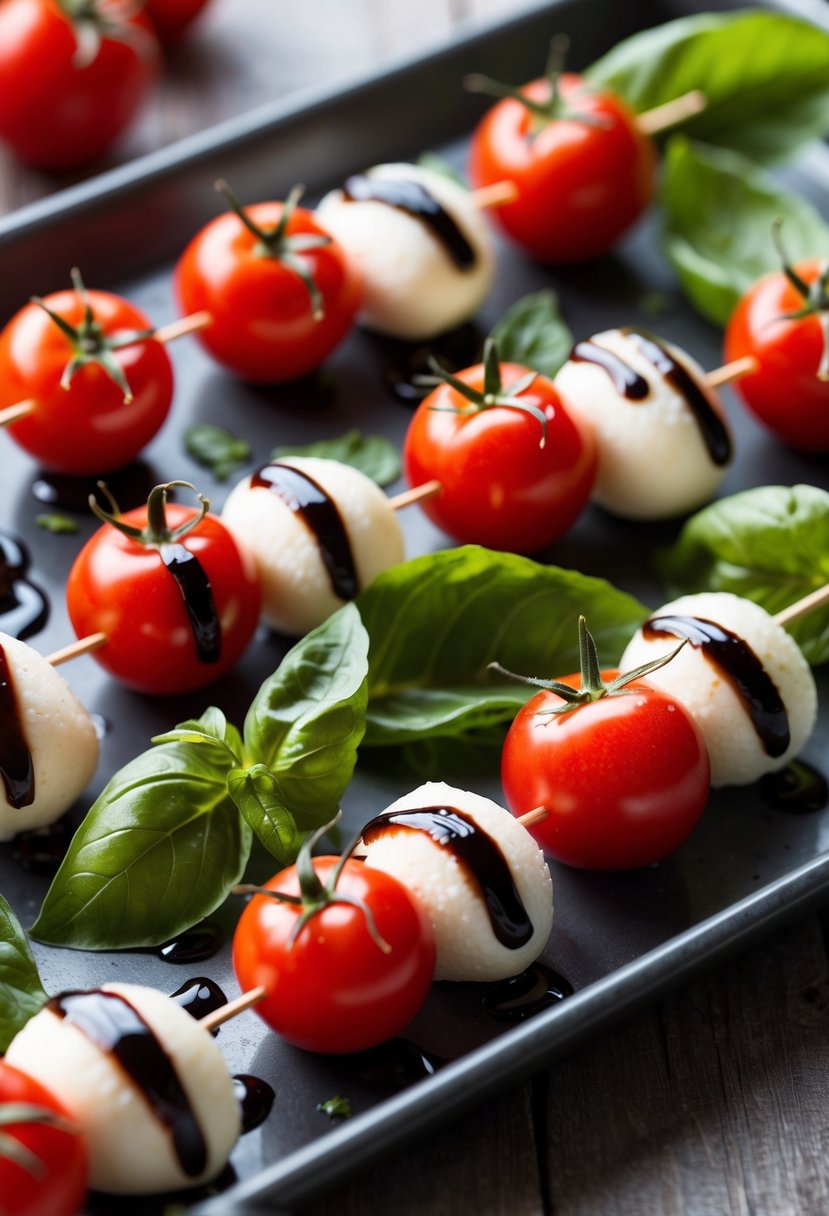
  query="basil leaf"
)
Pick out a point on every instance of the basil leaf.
point(308, 718)
point(719, 210)
point(56, 523)
point(770, 545)
point(257, 793)
point(212, 728)
point(532, 332)
point(765, 76)
point(436, 622)
point(373, 455)
point(21, 992)
point(160, 849)
point(216, 449)
point(437, 164)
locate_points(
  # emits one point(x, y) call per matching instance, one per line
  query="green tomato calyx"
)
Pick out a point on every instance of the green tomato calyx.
point(314, 894)
point(94, 20)
point(156, 532)
point(494, 392)
point(278, 243)
point(815, 297)
point(12, 1149)
point(592, 686)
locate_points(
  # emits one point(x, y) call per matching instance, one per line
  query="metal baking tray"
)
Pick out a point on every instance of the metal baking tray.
point(619, 939)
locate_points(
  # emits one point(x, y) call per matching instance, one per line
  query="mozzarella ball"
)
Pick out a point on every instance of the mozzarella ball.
point(298, 590)
point(413, 287)
point(738, 755)
point(452, 891)
point(654, 461)
point(45, 727)
point(131, 1149)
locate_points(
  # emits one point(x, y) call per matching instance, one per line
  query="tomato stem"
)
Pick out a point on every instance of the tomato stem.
point(157, 532)
point(815, 296)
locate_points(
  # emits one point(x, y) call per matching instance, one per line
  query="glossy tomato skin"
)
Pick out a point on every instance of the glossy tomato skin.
point(499, 487)
point(334, 990)
point(784, 394)
point(86, 428)
point(171, 18)
point(580, 185)
point(61, 1189)
point(123, 589)
point(624, 779)
point(263, 328)
point(55, 113)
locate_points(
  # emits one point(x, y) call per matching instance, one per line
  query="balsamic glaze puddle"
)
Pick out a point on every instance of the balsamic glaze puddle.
point(522, 996)
point(199, 997)
point(129, 486)
point(797, 789)
point(255, 1097)
point(395, 1064)
point(42, 850)
point(24, 608)
point(403, 361)
point(194, 945)
point(101, 1204)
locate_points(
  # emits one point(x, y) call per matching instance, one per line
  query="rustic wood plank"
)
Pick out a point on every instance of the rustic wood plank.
point(713, 1102)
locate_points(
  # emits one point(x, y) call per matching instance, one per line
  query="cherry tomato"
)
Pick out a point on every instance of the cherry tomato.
point(499, 486)
point(789, 391)
point(171, 18)
point(281, 292)
point(582, 178)
point(177, 608)
point(86, 427)
point(70, 84)
point(43, 1164)
point(334, 989)
point(623, 775)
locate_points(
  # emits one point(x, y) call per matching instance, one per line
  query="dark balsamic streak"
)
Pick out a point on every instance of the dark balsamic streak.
point(16, 767)
point(41, 850)
point(318, 512)
point(413, 198)
point(114, 1026)
point(199, 997)
point(627, 382)
point(255, 1097)
point(798, 789)
point(522, 996)
point(711, 426)
point(478, 854)
point(197, 595)
point(24, 608)
point(396, 1064)
point(737, 662)
point(195, 945)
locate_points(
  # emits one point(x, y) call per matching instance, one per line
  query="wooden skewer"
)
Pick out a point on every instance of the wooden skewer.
point(731, 371)
point(427, 490)
point(94, 641)
point(494, 195)
point(219, 1016)
point(537, 815)
point(815, 599)
point(12, 412)
point(651, 122)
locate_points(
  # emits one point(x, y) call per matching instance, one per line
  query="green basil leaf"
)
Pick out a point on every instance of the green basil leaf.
point(769, 544)
point(532, 332)
point(373, 455)
point(216, 449)
point(257, 793)
point(21, 992)
point(437, 164)
point(719, 209)
point(212, 728)
point(159, 850)
point(436, 622)
point(308, 718)
point(765, 76)
point(54, 522)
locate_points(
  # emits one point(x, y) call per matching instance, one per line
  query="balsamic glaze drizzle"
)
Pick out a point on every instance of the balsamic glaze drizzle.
point(396, 1064)
point(798, 789)
point(197, 595)
point(737, 662)
point(193, 945)
point(16, 767)
point(413, 198)
point(318, 512)
point(478, 854)
point(255, 1098)
point(627, 382)
point(113, 1025)
point(199, 997)
point(521, 996)
point(24, 609)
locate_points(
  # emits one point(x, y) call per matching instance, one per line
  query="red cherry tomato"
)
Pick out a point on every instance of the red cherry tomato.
point(87, 427)
point(624, 779)
point(270, 323)
point(64, 97)
point(52, 1180)
point(334, 989)
point(165, 634)
point(499, 486)
point(582, 179)
point(172, 17)
point(785, 393)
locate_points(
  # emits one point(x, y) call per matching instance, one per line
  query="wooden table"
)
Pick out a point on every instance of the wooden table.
point(713, 1101)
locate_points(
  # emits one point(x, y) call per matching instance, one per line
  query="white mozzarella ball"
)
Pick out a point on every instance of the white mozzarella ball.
point(467, 947)
point(654, 462)
point(737, 753)
point(131, 1150)
point(413, 288)
point(298, 593)
point(54, 729)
